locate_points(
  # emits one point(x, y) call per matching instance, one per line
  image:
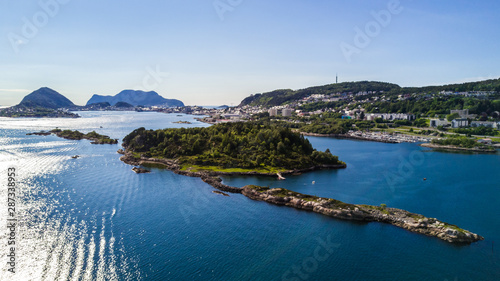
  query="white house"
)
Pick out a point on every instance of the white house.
point(286, 112)
point(439, 122)
point(459, 123)
point(462, 113)
point(273, 112)
point(485, 141)
point(483, 124)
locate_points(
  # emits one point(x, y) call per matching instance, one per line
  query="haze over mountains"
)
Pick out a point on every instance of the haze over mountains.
point(136, 98)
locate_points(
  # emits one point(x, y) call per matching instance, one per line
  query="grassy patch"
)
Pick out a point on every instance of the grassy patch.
point(198, 168)
point(454, 227)
point(415, 216)
point(381, 209)
point(154, 165)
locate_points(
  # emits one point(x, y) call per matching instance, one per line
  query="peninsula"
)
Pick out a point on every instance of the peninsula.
point(232, 147)
point(259, 149)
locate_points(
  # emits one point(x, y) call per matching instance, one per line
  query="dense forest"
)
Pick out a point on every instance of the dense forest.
point(232, 145)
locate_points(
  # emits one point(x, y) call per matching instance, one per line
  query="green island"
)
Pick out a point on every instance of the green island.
point(254, 148)
point(94, 137)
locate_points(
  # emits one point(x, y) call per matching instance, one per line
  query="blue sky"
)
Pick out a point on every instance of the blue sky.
point(207, 52)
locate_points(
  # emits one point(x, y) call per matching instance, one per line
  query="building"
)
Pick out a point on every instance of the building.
point(487, 124)
point(485, 141)
point(462, 113)
point(439, 122)
point(460, 123)
point(391, 116)
point(286, 112)
point(273, 112)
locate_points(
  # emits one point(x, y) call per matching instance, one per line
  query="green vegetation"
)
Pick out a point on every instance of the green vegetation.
point(450, 117)
point(481, 131)
point(424, 105)
point(454, 227)
point(458, 141)
point(279, 97)
point(76, 135)
point(228, 146)
point(437, 105)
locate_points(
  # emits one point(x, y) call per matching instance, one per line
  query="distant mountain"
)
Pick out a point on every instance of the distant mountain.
point(136, 98)
point(123, 104)
point(47, 98)
point(99, 104)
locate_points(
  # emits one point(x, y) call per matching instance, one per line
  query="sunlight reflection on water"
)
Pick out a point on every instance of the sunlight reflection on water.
point(51, 243)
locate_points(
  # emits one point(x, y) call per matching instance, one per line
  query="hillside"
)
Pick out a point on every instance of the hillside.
point(279, 97)
point(136, 98)
point(46, 98)
point(230, 146)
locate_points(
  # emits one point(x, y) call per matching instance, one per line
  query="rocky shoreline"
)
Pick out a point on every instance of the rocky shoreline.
point(100, 139)
point(331, 207)
point(372, 136)
point(346, 136)
point(326, 206)
point(457, 148)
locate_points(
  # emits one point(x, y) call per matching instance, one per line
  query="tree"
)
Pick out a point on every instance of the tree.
point(452, 116)
point(362, 116)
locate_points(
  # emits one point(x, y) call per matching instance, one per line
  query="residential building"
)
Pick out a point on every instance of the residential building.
point(462, 113)
point(460, 123)
point(273, 112)
point(483, 124)
point(485, 141)
point(439, 122)
point(286, 112)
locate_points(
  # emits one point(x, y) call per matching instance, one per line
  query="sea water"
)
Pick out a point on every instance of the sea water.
point(92, 218)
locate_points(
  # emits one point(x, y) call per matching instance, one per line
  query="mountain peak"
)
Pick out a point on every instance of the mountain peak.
point(46, 97)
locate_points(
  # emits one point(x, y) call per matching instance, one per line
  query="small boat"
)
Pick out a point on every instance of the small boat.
point(280, 177)
point(314, 182)
point(75, 156)
point(425, 179)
